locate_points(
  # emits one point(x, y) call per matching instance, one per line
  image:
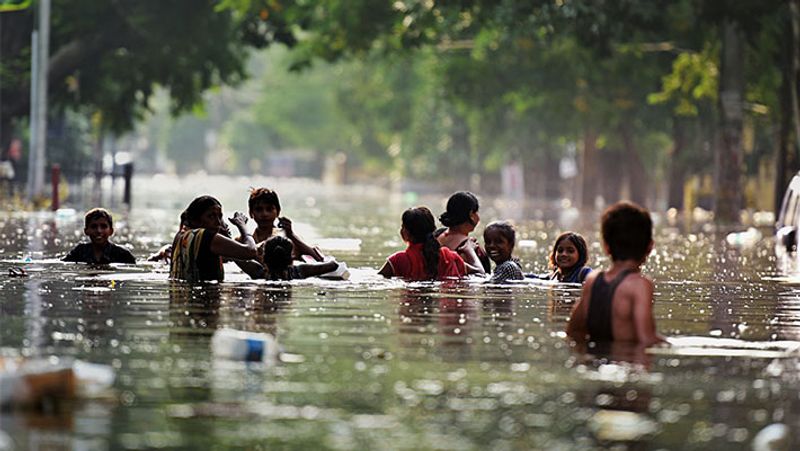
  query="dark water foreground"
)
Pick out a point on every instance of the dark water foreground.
point(371, 364)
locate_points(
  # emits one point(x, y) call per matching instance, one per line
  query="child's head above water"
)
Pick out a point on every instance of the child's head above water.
point(264, 206)
point(499, 238)
point(263, 195)
point(627, 232)
point(277, 255)
point(98, 225)
point(203, 212)
point(569, 252)
point(418, 224)
point(462, 207)
point(418, 227)
point(95, 214)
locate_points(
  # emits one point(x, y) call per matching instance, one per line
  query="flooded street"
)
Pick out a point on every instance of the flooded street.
point(375, 364)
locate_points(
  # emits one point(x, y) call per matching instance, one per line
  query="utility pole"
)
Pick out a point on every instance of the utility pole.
point(40, 55)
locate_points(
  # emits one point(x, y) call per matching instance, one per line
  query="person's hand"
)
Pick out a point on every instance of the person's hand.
point(286, 224)
point(471, 243)
point(162, 254)
point(239, 219)
point(224, 230)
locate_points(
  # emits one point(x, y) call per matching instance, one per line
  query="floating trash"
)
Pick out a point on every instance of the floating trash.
point(774, 437)
point(28, 382)
point(747, 238)
point(247, 346)
point(621, 426)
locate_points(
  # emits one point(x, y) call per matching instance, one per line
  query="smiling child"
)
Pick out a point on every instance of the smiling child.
point(568, 258)
point(265, 208)
point(99, 227)
point(499, 238)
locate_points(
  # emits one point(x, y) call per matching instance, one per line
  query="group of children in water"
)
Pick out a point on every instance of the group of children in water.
point(615, 305)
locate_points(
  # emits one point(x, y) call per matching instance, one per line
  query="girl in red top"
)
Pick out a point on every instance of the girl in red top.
point(425, 258)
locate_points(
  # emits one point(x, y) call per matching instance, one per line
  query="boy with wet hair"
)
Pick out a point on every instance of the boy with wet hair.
point(99, 226)
point(265, 207)
point(616, 305)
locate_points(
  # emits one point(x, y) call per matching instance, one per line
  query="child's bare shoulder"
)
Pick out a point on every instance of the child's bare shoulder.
point(637, 285)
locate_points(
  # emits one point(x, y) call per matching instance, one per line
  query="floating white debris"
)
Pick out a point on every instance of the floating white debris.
point(748, 238)
point(621, 426)
point(774, 437)
point(27, 381)
point(248, 346)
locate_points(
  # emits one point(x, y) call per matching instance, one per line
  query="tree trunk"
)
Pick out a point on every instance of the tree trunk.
point(611, 179)
point(588, 169)
point(677, 168)
point(637, 173)
point(728, 200)
point(551, 176)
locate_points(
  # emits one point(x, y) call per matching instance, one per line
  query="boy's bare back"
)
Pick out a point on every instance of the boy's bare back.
point(623, 311)
point(631, 309)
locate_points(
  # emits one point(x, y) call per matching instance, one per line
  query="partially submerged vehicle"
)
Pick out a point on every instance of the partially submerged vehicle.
point(788, 219)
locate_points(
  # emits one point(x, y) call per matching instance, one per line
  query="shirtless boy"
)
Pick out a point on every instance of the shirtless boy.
point(616, 305)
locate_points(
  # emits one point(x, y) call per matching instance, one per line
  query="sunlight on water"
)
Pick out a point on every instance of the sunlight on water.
point(374, 364)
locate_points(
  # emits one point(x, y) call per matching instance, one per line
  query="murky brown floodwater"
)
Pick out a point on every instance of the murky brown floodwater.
point(374, 364)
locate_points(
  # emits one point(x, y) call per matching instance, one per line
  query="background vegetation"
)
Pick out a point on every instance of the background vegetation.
point(662, 102)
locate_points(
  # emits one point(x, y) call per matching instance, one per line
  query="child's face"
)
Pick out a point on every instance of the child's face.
point(566, 254)
point(212, 218)
point(497, 246)
point(98, 230)
point(264, 214)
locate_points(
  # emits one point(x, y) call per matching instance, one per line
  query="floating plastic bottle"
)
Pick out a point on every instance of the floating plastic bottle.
point(26, 382)
point(245, 346)
point(748, 238)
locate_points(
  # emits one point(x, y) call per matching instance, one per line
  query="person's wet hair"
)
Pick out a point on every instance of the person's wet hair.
point(580, 245)
point(420, 225)
point(97, 213)
point(505, 229)
point(196, 209)
point(277, 255)
point(459, 206)
point(263, 195)
point(627, 230)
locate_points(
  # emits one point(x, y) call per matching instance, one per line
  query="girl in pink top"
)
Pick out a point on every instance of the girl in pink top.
point(425, 258)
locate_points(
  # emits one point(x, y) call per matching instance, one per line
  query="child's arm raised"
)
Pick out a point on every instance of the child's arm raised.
point(300, 247)
point(643, 321)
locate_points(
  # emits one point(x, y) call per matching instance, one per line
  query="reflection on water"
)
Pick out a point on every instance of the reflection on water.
point(381, 364)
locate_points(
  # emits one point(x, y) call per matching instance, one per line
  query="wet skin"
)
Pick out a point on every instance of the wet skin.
point(264, 215)
point(98, 231)
point(566, 255)
point(498, 246)
point(212, 218)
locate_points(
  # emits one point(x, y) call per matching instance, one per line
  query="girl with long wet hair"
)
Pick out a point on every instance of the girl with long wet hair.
point(424, 258)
